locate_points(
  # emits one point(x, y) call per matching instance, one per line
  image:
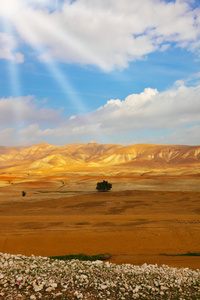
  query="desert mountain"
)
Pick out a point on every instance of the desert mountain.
point(45, 158)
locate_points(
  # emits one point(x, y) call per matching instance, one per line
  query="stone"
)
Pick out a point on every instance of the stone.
point(103, 286)
point(83, 277)
point(78, 295)
point(107, 264)
point(58, 294)
point(49, 289)
point(38, 288)
point(98, 262)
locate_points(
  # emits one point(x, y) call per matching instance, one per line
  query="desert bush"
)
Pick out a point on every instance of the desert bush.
point(103, 186)
point(23, 194)
point(83, 257)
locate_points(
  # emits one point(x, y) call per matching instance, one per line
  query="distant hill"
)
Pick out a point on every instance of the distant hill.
point(45, 158)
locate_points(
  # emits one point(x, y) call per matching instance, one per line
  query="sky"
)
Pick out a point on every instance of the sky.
point(108, 71)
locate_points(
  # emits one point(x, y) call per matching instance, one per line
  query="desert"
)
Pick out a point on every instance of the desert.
point(100, 149)
point(150, 216)
point(147, 213)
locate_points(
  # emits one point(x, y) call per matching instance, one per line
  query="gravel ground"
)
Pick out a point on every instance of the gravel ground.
point(23, 277)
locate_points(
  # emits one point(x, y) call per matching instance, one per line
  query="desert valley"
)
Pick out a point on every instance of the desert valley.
point(151, 215)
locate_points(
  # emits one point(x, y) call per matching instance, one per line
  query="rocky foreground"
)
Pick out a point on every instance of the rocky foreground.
point(34, 277)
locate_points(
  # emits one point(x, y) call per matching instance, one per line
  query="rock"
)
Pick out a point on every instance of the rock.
point(58, 294)
point(164, 288)
point(108, 293)
point(137, 288)
point(107, 264)
point(103, 286)
point(49, 289)
point(103, 280)
point(83, 277)
point(38, 288)
point(78, 295)
point(98, 262)
point(19, 278)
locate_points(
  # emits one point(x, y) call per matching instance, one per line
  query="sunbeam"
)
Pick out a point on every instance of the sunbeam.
point(58, 75)
point(47, 59)
point(14, 78)
point(70, 41)
point(15, 85)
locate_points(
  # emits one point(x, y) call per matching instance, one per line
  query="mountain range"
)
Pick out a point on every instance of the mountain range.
point(44, 158)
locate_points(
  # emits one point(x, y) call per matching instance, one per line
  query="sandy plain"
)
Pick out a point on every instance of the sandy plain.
point(140, 219)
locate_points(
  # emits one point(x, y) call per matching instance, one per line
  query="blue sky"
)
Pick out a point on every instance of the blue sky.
point(111, 71)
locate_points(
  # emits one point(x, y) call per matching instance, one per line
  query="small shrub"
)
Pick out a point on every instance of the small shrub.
point(83, 257)
point(183, 254)
point(103, 186)
point(23, 194)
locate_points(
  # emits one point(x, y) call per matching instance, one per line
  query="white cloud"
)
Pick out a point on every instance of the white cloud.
point(181, 136)
point(6, 134)
point(34, 131)
point(26, 120)
point(26, 109)
point(19, 57)
point(105, 33)
point(12, 137)
point(7, 43)
point(22, 118)
point(5, 53)
point(8, 46)
point(150, 110)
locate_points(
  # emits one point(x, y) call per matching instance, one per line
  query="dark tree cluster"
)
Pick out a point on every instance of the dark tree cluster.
point(103, 186)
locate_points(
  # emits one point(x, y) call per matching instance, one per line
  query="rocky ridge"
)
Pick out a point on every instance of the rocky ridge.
point(34, 278)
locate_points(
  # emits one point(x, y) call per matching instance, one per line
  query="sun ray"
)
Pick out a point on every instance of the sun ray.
point(61, 78)
point(15, 86)
point(68, 89)
point(47, 59)
point(14, 89)
point(31, 36)
point(66, 86)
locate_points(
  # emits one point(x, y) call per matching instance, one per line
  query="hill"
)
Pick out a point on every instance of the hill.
point(93, 157)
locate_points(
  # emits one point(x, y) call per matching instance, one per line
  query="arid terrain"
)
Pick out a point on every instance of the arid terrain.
point(100, 159)
point(145, 215)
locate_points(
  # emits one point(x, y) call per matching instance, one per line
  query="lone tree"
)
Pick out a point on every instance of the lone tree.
point(103, 186)
point(23, 194)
